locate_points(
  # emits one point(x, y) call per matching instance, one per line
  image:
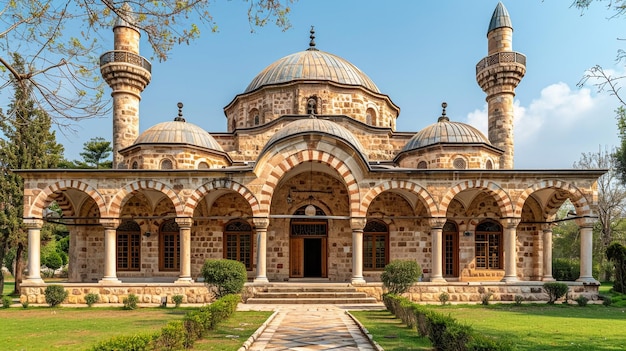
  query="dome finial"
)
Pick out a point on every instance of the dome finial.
point(443, 117)
point(179, 118)
point(312, 36)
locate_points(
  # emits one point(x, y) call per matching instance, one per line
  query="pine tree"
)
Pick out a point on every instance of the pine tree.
point(27, 143)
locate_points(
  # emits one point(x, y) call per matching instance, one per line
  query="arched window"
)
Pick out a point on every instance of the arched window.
point(370, 117)
point(375, 245)
point(238, 242)
point(135, 165)
point(450, 249)
point(489, 164)
point(128, 244)
point(166, 164)
point(203, 165)
point(489, 245)
point(169, 246)
point(311, 106)
point(422, 165)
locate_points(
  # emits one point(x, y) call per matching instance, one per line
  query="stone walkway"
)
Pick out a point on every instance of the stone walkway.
point(310, 328)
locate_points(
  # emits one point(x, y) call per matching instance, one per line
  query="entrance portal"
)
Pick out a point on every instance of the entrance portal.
point(308, 247)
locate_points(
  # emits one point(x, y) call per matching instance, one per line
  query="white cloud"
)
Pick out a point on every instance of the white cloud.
point(554, 129)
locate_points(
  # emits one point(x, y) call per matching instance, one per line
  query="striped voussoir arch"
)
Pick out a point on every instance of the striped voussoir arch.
point(502, 197)
point(127, 191)
point(288, 163)
point(577, 197)
point(42, 199)
point(426, 198)
point(204, 189)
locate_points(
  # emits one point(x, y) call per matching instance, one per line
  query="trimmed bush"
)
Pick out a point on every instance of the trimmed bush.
point(606, 300)
point(480, 342)
point(444, 297)
point(565, 269)
point(130, 302)
point(55, 295)
point(399, 275)
point(484, 298)
point(177, 299)
point(53, 261)
point(91, 298)
point(6, 301)
point(227, 276)
point(139, 342)
point(582, 301)
point(172, 337)
point(555, 291)
point(25, 304)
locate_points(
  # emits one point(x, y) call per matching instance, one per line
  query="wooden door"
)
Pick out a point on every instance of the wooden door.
point(296, 257)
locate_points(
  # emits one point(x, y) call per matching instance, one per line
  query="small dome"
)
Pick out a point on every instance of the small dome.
point(445, 131)
point(178, 132)
point(316, 126)
point(312, 64)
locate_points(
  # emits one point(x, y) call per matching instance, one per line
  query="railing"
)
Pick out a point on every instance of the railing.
point(501, 57)
point(125, 56)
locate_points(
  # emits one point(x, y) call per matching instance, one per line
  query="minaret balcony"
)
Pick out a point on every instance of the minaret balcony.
point(501, 57)
point(117, 56)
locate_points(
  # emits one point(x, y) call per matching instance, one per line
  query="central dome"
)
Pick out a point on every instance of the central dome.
point(312, 64)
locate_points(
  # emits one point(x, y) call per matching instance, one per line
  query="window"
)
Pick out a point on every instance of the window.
point(375, 245)
point(169, 246)
point(311, 106)
point(238, 242)
point(459, 163)
point(370, 117)
point(135, 165)
point(166, 164)
point(422, 165)
point(203, 165)
point(450, 249)
point(489, 164)
point(489, 245)
point(128, 246)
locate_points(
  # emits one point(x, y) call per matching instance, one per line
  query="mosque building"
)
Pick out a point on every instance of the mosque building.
point(311, 181)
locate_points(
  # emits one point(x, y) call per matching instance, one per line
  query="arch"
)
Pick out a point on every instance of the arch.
point(204, 189)
point(127, 191)
point(277, 171)
point(311, 105)
point(35, 210)
point(371, 117)
point(411, 187)
point(501, 196)
point(166, 163)
point(578, 198)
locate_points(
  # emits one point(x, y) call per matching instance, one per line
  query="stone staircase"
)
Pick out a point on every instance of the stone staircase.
point(309, 293)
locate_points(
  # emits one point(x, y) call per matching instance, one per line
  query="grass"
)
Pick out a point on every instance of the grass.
point(67, 328)
point(390, 333)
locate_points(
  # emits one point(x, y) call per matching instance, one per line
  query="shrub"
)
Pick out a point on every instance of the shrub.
point(480, 342)
point(582, 301)
point(438, 324)
point(484, 298)
point(565, 269)
point(455, 336)
point(519, 299)
point(194, 328)
point(130, 302)
point(172, 336)
point(25, 304)
point(444, 297)
point(177, 299)
point(139, 342)
point(55, 294)
point(6, 301)
point(227, 276)
point(606, 300)
point(555, 291)
point(91, 298)
point(52, 260)
point(399, 275)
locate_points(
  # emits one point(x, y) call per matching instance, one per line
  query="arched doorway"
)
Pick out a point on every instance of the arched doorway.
point(308, 245)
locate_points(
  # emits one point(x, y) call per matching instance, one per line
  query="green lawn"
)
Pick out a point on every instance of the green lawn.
point(67, 328)
point(390, 333)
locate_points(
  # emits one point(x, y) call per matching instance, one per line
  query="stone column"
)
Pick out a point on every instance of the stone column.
point(110, 265)
point(34, 253)
point(586, 250)
point(185, 250)
point(547, 253)
point(260, 225)
point(357, 225)
point(436, 234)
point(510, 248)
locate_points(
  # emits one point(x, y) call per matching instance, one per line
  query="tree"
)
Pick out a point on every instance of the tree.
point(59, 39)
point(27, 143)
point(96, 150)
point(611, 196)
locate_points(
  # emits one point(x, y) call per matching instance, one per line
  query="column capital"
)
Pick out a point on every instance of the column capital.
point(510, 222)
point(33, 223)
point(358, 223)
point(261, 223)
point(547, 227)
point(437, 222)
point(110, 223)
point(586, 222)
point(184, 222)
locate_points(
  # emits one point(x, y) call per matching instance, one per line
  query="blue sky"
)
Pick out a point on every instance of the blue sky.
point(420, 53)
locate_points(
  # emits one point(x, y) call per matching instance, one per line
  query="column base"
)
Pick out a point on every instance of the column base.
point(183, 280)
point(438, 280)
point(261, 280)
point(33, 281)
point(588, 280)
point(109, 280)
point(509, 279)
point(548, 279)
point(357, 281)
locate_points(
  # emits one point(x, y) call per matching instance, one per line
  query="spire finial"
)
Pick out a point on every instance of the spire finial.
point(312, 36)
point(443, 117)
point(179, 118)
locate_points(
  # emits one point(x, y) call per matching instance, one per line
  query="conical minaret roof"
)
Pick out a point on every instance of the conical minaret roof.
point(500, 18)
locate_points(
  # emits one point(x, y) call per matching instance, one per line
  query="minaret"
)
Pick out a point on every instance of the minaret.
point(498, 75)
point(128, 74)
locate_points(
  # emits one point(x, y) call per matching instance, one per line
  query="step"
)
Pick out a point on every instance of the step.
point(298, 289)
point(310, 294)
point(333, 301)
